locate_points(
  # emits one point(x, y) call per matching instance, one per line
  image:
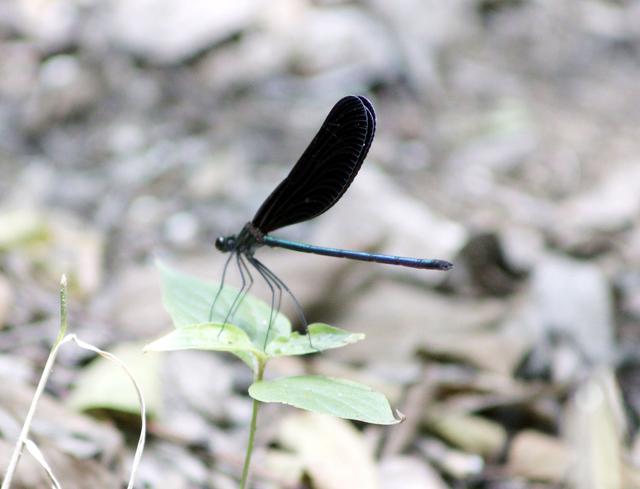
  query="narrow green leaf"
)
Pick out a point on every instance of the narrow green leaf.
point(338, 397)
point(320, 337)
point(188, 300)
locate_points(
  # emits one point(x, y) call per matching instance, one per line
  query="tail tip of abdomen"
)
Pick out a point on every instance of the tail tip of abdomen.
point(443, 265)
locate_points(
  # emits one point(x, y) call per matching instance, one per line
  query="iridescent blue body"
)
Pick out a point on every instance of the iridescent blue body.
point(430, 264)
point(251, 238)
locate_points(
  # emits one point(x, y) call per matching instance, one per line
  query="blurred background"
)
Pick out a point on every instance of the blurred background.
point(507, 142)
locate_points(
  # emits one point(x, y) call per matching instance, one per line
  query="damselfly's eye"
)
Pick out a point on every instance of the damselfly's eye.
point(220, 243)
point(226, 244)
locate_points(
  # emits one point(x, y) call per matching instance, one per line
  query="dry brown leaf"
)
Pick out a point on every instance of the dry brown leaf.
point(595, 427)
point(455, 463)
point(411, 317)
point(537, 456)
point(68, 431)
point(470, 432)
point(284, 467)
point(6, 298)
point(70, 471)
point(493, 351)
point(333, 451)
point(402, 472)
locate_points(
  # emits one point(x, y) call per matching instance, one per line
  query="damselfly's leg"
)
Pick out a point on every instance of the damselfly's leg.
point(243, 284)
point(275, 304)
point(279, 300)
point(270, 281)
point(243, 265)
point(281, 285)
point(215, 299)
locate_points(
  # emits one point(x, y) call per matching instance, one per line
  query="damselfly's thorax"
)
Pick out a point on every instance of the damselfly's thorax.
point(244, 242)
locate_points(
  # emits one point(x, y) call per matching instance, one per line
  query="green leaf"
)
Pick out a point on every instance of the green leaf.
point(338, 397)
point(207, 336)
point(320, 337)
point(211, 336)
point(188, 300)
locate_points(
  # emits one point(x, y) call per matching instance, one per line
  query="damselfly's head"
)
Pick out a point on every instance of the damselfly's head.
point(226, 244)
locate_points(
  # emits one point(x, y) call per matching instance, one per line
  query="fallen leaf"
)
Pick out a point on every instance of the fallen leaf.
point(457, 464)
point(472, 433)
point(409, 472)
point(334, 453)
point(284, 467)
point(596, 425)
point(76, 434)
point(537, 456)
point(6, 298)
point(495, 351)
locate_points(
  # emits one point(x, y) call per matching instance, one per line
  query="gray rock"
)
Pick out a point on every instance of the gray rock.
point(65, 88)
point(609, 206)
point(573, 303)
point(174, 31)
point(51, 24)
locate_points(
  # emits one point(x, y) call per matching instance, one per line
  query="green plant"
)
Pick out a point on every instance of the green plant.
point(188, 301)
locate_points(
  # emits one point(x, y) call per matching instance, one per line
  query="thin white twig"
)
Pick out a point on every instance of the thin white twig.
point(22, 439)
point(39, 456)
point(143, 410)
point(24, 433)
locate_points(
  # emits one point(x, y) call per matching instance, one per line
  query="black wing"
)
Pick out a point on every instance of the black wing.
point(326, 168)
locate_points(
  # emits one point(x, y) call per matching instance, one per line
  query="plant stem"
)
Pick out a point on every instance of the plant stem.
point(63, 310)
point(252, 429)
point(24, 433)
